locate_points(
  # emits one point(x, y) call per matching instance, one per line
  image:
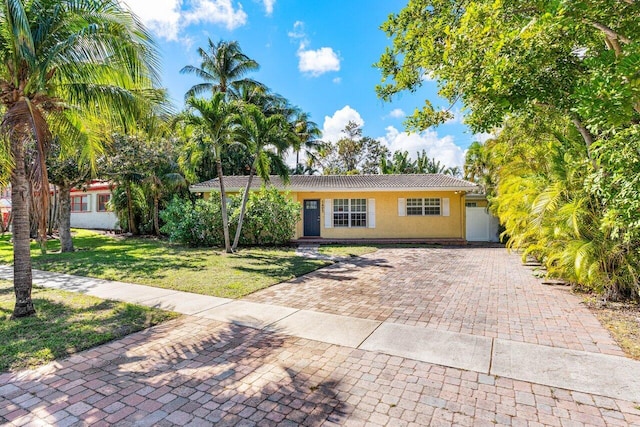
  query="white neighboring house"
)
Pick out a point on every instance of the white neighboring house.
point(89, 207)
point(5, 205)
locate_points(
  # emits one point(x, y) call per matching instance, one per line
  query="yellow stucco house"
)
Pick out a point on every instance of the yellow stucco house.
point(419, 207)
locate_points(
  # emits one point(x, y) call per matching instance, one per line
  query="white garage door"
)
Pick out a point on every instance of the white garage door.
point(481, 225)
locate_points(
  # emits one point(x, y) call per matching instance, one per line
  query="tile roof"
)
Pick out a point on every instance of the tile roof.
point(345, 182)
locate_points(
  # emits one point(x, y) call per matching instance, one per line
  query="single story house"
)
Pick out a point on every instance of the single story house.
point(425, 207)
point(89, 207)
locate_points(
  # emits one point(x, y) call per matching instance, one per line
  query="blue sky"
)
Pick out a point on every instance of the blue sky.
point(319, 55)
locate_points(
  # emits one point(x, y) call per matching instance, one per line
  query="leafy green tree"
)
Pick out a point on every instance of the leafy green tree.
point(352, 154)
point(66, 171)
point(63, 62)
point(126, 166)
point(266, 138)
point(577, 59)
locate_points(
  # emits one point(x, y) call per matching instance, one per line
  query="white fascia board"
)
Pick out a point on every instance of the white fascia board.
point(339, 190)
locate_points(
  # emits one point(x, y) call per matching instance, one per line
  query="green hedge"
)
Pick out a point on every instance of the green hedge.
point(270, 219)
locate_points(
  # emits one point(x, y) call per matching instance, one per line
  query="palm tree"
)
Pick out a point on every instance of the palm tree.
point(307, 137)
point(61, 62)
point(266, 138)
point(222, 69)
point(398, 164)
point(211, 121)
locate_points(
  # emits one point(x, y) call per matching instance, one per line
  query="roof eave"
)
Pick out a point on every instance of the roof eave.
point(337, 190)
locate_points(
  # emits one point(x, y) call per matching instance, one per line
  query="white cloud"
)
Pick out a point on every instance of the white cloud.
point(313, 62)
point(397, 113)
point(268, 6)
point(215, 12)
point(337, 80)
point(167, 18)
point(333, 126)
point(440, 148)
point(318, 62)
point(298, 30)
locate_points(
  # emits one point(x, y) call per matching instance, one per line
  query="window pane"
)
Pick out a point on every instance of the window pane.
point(103, 199)
point(358, 219)
point(432, 206)
point(341, 205)
point(340, 219)
point(358, 205)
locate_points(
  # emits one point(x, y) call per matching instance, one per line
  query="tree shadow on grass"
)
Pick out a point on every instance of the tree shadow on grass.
point(98, 263)
point(59, 330)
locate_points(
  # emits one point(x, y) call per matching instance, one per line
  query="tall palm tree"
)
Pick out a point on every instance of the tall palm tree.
point(211, 121)
point(60, 62)
point(307, 137)
point(267, 138)
point(222, 69)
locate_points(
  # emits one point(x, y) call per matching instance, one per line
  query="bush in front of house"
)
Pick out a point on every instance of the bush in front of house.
point(191, 223)
point(270, 219)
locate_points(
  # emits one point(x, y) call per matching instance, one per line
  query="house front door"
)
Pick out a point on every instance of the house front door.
point(311, 217)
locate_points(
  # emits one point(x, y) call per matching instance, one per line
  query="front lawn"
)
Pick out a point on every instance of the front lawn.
point(66, 323)
point(161, 264)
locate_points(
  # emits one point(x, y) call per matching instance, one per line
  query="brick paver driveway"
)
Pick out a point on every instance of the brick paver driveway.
point(195, 371)
point(474, 290)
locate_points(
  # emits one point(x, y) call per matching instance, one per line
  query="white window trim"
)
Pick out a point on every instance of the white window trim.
point(350, 212)
point(445, 206)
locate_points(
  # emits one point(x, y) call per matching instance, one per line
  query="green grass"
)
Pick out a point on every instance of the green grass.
point(158, 263)
point(65, 323)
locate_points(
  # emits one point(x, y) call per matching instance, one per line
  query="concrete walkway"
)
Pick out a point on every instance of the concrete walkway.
point(599, 376)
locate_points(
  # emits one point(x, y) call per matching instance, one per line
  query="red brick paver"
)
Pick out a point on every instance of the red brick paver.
point(195, 371)
point(474, 290)
point(201, 372)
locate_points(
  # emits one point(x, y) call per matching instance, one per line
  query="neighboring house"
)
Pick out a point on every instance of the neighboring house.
point(5, 205)
point(429, 207)
point(89, 207)
point(482, 226)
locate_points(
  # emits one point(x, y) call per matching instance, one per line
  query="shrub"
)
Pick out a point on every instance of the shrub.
point(193, 224)
point(270, 219)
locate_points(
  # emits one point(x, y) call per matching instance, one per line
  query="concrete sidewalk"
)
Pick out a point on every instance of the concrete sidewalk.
point(581, 371)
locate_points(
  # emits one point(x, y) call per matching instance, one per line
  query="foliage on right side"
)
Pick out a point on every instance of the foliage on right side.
point(557, 84)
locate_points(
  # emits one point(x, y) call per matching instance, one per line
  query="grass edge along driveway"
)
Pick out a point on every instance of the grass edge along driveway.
point(158, 263)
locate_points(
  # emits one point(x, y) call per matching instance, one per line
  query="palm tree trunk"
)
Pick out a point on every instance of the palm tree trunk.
point(22, 278)
point(64, 220)
point(243, 207)
point(223, 203)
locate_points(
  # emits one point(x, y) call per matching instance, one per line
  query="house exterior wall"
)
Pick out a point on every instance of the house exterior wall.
point(389, 223)
point(93, 219)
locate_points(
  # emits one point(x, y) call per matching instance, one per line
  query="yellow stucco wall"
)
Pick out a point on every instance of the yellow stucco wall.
point(388, 223)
